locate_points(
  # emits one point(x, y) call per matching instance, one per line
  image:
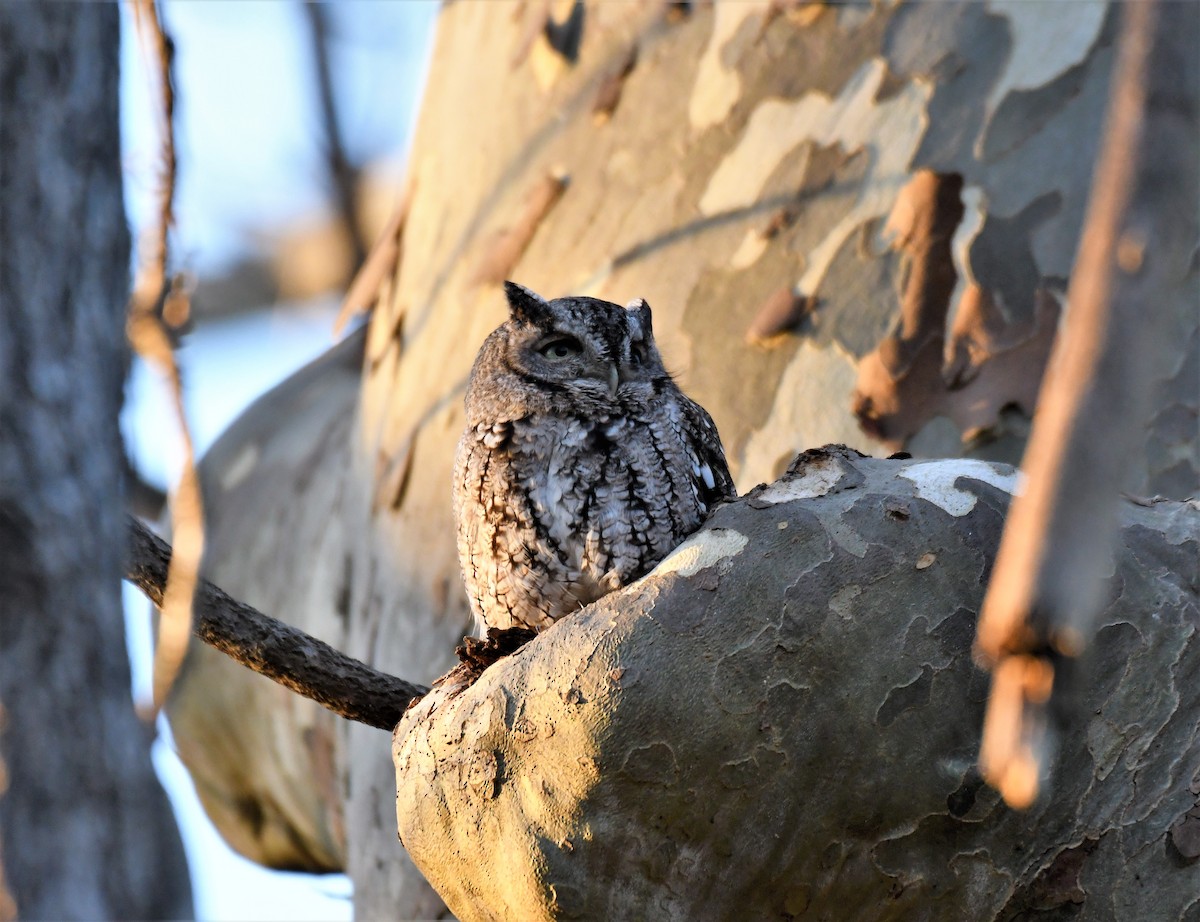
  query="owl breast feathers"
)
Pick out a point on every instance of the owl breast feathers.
point(582, 465)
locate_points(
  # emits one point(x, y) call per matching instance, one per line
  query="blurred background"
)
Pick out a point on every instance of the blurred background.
point(292, 124)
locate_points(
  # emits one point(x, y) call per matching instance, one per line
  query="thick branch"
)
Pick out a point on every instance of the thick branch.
point(1049, 581)
point(780, 721)
point(280, 652)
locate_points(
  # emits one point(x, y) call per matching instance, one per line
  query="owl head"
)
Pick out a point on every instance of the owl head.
point(580, 354)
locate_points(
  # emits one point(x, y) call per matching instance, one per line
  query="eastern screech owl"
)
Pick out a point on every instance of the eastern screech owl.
point(582, 465)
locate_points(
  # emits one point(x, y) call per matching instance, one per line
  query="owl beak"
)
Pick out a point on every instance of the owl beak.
point(614, 378)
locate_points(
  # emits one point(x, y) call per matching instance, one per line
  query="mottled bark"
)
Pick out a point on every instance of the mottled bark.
point(781, 721)
point(749, 150)
point(757, 172)
point(85, 829)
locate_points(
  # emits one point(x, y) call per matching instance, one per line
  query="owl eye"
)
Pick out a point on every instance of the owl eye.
point(637, 356)
point(563, 348)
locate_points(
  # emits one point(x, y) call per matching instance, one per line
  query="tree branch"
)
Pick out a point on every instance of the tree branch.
point(282, 653)
point(1050, 577)
point(780, 721)
point(343, 175)
point(150, 338)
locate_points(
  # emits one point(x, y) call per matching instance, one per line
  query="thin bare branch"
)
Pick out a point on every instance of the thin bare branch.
point(143, 498)
point(343, 175)
point(150, 285)
point(150, 338)
point(282, 653)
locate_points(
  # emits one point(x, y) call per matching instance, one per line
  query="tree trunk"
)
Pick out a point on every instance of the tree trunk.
point(885, 200)
point(86, 831)
point(782, 721)
point(854, 224)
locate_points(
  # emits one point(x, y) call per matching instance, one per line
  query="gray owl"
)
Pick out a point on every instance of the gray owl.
point(582, 465)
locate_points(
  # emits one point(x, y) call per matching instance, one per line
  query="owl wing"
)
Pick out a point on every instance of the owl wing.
point(709, 467)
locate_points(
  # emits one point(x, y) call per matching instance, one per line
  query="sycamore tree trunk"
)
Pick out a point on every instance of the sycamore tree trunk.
point(782, 721)
point(854, 224)
point(85, 829)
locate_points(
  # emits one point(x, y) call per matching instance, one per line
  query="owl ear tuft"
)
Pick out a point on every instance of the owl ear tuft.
point(525, 305)
point(641, 309)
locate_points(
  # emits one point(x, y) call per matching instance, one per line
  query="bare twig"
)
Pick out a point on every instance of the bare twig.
point(380, 264)
point(144, 499)
point(1049, 576)
point(342, 173)
point(150, 285)
point(150, 339)
point(285, 654)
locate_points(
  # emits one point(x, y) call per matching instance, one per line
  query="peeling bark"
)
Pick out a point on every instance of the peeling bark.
point(505, 249)
point(782, 721)
point(751, 161)
point(730, 117)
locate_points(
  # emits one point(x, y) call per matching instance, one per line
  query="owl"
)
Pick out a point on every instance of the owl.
point(582, 464)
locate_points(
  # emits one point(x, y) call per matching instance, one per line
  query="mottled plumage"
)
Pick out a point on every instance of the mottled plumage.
point(582, 464)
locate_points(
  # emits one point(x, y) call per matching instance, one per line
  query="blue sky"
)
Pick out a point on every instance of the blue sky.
point(247, 130)
point(249, 162)
point(226, 364)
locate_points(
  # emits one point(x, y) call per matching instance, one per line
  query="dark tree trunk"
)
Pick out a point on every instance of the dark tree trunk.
point(86, 831)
